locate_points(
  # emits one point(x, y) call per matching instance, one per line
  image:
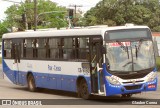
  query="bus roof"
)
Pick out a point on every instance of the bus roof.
point(67, 32)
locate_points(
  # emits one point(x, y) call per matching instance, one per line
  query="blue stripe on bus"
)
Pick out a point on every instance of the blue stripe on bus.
point(46, 80)
point(68, 82)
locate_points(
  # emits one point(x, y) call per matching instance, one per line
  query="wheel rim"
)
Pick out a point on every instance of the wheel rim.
point(84, 90)
point(31, 83)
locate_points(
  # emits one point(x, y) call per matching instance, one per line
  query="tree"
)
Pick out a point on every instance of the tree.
point(3, 29)
point(90, 18)
point(50, 20)
point(120, 12)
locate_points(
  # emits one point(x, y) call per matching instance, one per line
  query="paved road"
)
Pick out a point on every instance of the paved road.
point(11, 91)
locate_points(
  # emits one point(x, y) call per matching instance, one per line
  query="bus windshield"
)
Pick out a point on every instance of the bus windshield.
point(130, 56)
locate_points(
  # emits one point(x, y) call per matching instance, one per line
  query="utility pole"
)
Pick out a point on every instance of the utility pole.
point(75, 8)
point(35, 15)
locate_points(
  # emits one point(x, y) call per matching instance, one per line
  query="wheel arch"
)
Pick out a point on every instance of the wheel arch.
point(30, 73)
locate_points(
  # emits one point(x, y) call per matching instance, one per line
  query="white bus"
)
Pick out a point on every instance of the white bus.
point(89, 61)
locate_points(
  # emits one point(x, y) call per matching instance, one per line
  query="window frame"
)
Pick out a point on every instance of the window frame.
point(48, 58)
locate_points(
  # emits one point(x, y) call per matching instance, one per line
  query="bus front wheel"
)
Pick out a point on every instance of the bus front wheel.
point(31, 83)
point(83, 89)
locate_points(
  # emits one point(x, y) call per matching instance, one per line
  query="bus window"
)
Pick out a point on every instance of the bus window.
point(41, 48)
point(23, 48)
point(83, 42)
point(54, 48)
point(29, 48)
point(34, 46)
point(68, 51)
point(83, 51)
point(7, 48)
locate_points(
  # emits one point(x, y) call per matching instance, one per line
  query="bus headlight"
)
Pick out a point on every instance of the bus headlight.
point(151, 76)
point(112, 80)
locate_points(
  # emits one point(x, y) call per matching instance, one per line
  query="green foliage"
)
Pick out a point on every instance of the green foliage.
point(113, 12)
point(3, 29)
point(156, 29)
point(44, 19)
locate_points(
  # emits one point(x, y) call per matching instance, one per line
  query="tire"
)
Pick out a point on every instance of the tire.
point(31, 83)
point(83, 90)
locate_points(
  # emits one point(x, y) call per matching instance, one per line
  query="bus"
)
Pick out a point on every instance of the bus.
point(101, 61)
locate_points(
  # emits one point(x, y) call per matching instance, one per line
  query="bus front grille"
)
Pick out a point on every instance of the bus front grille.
point(133, 87)
point(128, 82)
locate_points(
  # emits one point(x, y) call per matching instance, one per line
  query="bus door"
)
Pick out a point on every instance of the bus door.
point(16, 49)
point(97, 83)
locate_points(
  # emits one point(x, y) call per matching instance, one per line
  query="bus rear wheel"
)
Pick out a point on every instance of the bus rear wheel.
point(31, 83)
point(83, 89)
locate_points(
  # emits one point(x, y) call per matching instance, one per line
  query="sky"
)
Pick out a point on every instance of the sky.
point(86, 4)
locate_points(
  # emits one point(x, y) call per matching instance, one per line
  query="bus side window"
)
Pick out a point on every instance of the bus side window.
point(68, 48)
point(83, 49)
point(34, 43)
point(76, 47)
point(29, 48)
point(8, 48)
point(22, 48)
point(47, 48)
point(41, 48)
point(53, 45)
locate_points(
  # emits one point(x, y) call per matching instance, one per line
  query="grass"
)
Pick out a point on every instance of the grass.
point(0, 60)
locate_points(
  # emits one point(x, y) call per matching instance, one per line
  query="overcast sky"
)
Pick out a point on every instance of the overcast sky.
point(86, 4)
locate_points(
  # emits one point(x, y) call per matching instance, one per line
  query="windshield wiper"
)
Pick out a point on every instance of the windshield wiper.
point(127, 64)
point(123, 47)
point(140, 43)
point(127, 52)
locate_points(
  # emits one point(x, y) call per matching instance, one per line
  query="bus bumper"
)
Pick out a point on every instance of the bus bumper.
point(131, 89)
